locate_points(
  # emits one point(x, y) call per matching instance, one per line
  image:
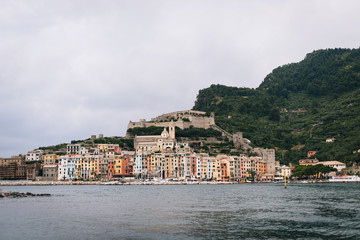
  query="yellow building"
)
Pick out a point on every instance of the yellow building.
point(214, 169)
point(95, 165)
point(117, 164)
point(171, 166)
point(156, 163)
point(115, 148)
point(82, 167)
point(49, 159)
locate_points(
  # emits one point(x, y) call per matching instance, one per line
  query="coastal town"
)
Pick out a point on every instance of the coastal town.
point(157, 157)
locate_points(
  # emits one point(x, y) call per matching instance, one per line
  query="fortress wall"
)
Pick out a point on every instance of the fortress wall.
point(178, 114)
point(197, 122)
point(164, 124)
point(201, 122)
point(135, 124)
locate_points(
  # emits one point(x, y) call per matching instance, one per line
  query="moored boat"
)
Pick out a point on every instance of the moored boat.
point(345, 178)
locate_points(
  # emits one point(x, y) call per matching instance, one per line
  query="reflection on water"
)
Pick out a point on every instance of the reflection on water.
point(255, 211)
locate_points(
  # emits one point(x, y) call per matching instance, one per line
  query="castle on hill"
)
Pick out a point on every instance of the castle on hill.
point(166, 142)
point(180, 119)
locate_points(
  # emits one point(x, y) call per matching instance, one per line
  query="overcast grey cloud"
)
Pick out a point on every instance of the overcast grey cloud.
point(69, 69)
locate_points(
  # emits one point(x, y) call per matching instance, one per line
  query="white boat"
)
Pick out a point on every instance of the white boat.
point(111, 183)
point(345, 178)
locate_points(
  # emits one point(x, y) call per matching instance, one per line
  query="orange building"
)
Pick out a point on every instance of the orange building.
point(111, 170)
point(123, 165)
point(127, 165)
point(224, 172)
point(114, 148)
point(193, 170)
point(260, 168)
point(256, 165)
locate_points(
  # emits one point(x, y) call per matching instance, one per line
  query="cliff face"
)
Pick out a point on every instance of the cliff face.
point(298, 104)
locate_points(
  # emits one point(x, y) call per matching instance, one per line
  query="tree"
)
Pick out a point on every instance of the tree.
point(274, 114)
point(312, 171)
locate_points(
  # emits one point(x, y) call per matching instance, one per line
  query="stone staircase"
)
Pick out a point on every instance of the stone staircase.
point(224, 133)
point(231, 137)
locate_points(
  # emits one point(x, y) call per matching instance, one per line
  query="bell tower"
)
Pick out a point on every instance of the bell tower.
point(172, 130)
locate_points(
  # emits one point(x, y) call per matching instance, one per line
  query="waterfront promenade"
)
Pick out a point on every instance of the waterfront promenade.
point(139, 182)
point(133, 182)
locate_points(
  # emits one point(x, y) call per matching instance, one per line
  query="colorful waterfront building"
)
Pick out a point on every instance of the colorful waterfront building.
point(111, 148)
point(48, 159)
point(213, 169)
point(224, 171)
point(66, 168)
point(110, 169)
point(142, 162)
point(95, 165)
point(34, 155)
point(82, 166)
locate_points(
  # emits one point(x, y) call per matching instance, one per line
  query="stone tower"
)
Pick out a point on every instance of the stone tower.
point(172, 131)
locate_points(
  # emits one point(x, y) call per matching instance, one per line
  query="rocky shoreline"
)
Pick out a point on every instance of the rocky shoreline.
point(8, 194)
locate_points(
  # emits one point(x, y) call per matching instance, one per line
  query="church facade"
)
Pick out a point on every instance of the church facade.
point(156, 143)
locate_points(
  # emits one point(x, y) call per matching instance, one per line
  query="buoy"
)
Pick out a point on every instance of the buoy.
point(284, 177)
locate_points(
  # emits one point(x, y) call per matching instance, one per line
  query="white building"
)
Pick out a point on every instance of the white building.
point(73, 149)
point(328, 140)
point(138, 164)
point(34, 155)
point(335, 164)
point(83, 150)
point(66, 168)
point(186, 166)
point(281, 170)
point(198, 167)
point(182, 147)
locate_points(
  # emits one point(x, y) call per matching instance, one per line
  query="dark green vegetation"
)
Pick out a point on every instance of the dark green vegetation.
point(124, 143)
point(145, 131)
point(60, 149)
point(191, 132)
point(314, 171)
point(297, 107)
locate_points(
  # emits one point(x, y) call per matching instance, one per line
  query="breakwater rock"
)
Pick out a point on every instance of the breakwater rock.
point(6, 194)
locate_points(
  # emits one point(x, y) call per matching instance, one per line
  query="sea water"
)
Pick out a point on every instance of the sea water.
point(239, 211)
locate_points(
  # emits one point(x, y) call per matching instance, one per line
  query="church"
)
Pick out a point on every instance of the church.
point(156, 143)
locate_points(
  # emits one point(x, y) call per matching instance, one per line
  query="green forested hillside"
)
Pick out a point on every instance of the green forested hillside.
point(297, 107)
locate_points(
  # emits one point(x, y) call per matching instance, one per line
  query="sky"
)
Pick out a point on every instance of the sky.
point(73, 68)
